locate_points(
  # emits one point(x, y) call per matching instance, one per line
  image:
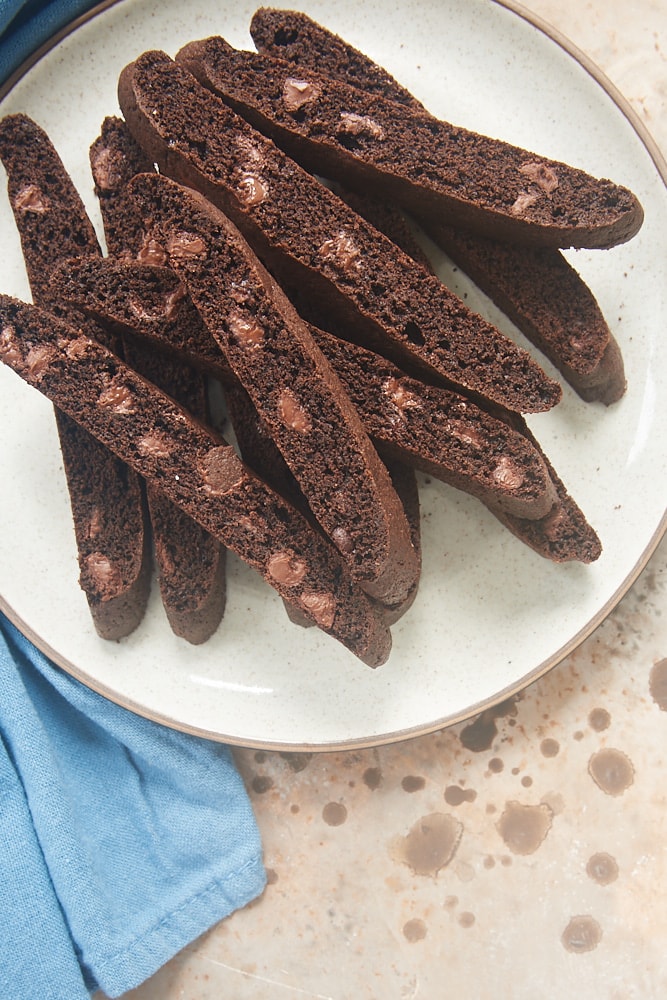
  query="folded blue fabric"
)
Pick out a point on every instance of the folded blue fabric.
point(120, 840)
point(27, 24)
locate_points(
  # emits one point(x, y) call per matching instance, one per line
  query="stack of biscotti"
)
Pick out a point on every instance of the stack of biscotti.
point(194, 467)
point(346, 364)
point(292, 385)
point(423, 426)
point(310, 240)
point(106, 497)
point(354, 279)
point(189, 561)
point(535, 286)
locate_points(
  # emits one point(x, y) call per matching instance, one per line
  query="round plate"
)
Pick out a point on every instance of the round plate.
point(491, 616)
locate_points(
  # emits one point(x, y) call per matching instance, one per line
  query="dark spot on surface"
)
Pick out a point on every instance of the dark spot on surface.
point(578, 735)
point(582, 934)
point(294, 808)
point(658, 684)
point(412, 783)
point(260, 756)
point(480, 734)
point(455, 795)
point(611, 770)
point(524, 827)
point(489, 861)
point(431, 843)
point(549, 747)
point(297, 761)
point(262, 783)
point(372, 777)
point(466, 919)
point(414, 930)
point(496, 765)
point(271, 876)
point(526, 781)
point(599, 719)
point(334, 813)
point(602, 868)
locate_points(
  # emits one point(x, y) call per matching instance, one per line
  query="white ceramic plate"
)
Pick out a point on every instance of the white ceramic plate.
point(491, 615)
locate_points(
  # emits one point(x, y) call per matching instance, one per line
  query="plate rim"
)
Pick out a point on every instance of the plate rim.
point(470, 712)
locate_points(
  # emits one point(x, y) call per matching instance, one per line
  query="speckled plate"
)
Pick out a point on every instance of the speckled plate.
point(491, 616)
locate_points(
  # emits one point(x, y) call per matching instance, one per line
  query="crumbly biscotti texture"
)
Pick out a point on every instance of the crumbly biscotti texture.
point(191, 564)
point(292, 35)
point(294, 389)
point(429, 166)
point(194, 467)
point(549, 303)
point(314, 243)
point(535, 287)
point(106, 498)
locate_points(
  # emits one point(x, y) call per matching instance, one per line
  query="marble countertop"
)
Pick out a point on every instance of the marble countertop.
point(520, 854)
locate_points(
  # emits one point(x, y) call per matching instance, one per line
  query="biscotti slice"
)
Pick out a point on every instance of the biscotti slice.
point(259, 451)
point(312, 242)
point(429, 427)
point(194, 467)
point(297, 38)
point(106, 497)
point(547, 300)
point(564, 534)
point(293, 387)
point(147, 300)
point(429, 166)
point(535, 287)
point(441, 433)
point(190, 562)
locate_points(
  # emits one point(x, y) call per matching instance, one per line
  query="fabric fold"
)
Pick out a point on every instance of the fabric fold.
point(25, 25)
point(129, 838)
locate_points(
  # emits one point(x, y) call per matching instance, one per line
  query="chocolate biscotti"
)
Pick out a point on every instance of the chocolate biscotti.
point(190, 562)
point(534, 286)
point(292, 386)
point(313, 243)
point(547, 300)
point(194, 467)
point(432, 168)
point(564, 534)
point(425, 426)
point(106, 497)
point(292, 35)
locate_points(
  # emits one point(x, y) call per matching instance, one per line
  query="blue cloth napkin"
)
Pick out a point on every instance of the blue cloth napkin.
point(121, 840)
point(26, 24)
